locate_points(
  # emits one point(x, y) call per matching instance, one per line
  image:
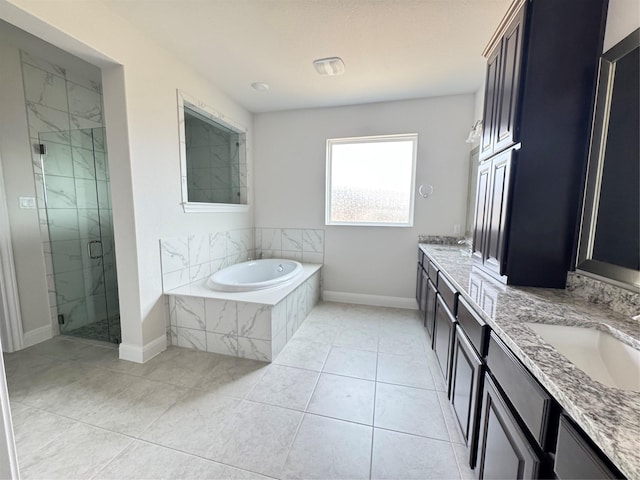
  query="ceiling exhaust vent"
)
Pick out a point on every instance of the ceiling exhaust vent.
point(329, 66)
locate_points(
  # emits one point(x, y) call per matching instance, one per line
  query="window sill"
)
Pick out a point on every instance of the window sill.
point(196, 207)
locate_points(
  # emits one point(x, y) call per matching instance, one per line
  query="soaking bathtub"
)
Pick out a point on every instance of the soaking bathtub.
point(254, 275)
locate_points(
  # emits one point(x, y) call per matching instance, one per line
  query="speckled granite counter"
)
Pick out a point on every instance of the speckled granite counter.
point(610, 416)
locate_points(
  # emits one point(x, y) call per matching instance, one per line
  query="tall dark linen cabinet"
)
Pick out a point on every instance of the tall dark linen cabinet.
point(539, 93)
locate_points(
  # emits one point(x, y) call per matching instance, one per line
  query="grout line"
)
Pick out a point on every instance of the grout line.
point(373, 422)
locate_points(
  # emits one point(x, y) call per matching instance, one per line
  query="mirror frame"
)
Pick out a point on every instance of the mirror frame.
point(186, 100)
point(622, 276)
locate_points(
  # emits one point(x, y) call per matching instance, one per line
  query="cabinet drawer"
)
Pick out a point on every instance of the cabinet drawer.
point(575, 458)
point(432, 270)
point(475, 328)
point(421, 257)
point(448, 293)
point(532, 403)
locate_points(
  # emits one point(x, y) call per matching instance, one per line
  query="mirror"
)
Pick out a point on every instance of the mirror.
point(213, 159)
point(610, 233)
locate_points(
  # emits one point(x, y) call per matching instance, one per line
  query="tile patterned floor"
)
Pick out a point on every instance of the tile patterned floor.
point(355, 394)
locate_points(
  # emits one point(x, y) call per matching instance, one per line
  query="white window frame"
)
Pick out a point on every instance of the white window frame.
point(413, 137)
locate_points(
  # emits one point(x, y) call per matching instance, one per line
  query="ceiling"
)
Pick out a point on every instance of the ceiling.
point(392, 49)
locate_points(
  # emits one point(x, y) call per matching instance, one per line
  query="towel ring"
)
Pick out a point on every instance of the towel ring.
point(422, 188)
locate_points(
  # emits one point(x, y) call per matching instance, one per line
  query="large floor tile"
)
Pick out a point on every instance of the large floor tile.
point(192, 422)
point(143, 460)
point(325, 448)
point(319, 333)
point(352, 363)
point(256, 438)
point(183, 366)
point(303, 354)
point(402, 344)
point(358, 338)
point(232, 376)
point(60, 348)
point(285, 387)
point(35, 383)
point(35, 428)
point(403, 456)
point(409, 370)
point(80, 452)
point(409, 410)
point(343, 398)
point(117, 402)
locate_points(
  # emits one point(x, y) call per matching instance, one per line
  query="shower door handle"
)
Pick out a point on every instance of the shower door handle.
point(90, 248)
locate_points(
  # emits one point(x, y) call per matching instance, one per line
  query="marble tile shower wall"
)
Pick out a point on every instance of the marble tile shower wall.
point(240, 329)
point(214, 171)
point(59, 104)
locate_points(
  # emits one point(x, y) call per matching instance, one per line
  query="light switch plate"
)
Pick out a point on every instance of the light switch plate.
point(27, 202)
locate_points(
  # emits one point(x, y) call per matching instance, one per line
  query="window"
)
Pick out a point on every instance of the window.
point(213, 159)
point(370, 180)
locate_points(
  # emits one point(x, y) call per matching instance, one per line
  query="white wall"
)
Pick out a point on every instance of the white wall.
point(139, 82)
point(290, 182)
point(623, 17)
point(19, 181)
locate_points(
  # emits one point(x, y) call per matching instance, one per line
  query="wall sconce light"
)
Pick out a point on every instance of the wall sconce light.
point(476, 133)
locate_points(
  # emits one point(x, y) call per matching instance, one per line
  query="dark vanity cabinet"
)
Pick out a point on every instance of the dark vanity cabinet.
point(577, 458)
point(502, 87)
point(467, 370)
point(426, 291)
point(504, 451)
point(540, 82)
point(445, 326)
point(492, 200)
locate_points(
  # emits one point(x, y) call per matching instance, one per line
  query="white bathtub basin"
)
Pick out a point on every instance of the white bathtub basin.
point(255, 275)
point(601, 356)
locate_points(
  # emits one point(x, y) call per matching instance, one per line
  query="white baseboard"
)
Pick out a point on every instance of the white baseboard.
point(38, 335)
point(137, 354)
point(373, 300)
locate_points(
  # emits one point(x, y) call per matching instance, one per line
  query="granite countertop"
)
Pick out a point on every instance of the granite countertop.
point(610, 416)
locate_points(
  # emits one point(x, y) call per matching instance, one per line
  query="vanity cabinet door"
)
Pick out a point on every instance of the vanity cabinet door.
point(503, 449)
point(444, 331)
point(508, 89)
point(419, 287)
point(497, 212)
point(490, 103)
point(430, 309)
point(423, 282)
point(482, 213)
point(466, 377)
point(575, 457)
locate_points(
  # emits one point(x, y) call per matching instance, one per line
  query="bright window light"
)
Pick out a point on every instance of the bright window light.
point(370, 180)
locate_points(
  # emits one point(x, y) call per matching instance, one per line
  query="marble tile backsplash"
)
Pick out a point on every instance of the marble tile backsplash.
point(618, 299)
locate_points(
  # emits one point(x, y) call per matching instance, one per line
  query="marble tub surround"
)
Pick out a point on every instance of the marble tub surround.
point(618, 299)
point(191, 258)
point(301, 244)
point(610, 416)
point(254, 325)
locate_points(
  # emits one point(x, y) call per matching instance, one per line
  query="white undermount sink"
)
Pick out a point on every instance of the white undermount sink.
point(601, 356)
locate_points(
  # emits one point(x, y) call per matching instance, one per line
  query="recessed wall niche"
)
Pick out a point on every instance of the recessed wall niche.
point(213, 159)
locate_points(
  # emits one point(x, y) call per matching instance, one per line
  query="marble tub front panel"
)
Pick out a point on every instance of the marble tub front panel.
point(240, 329)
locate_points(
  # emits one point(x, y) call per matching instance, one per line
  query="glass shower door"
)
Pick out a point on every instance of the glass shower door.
point(78, 212)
